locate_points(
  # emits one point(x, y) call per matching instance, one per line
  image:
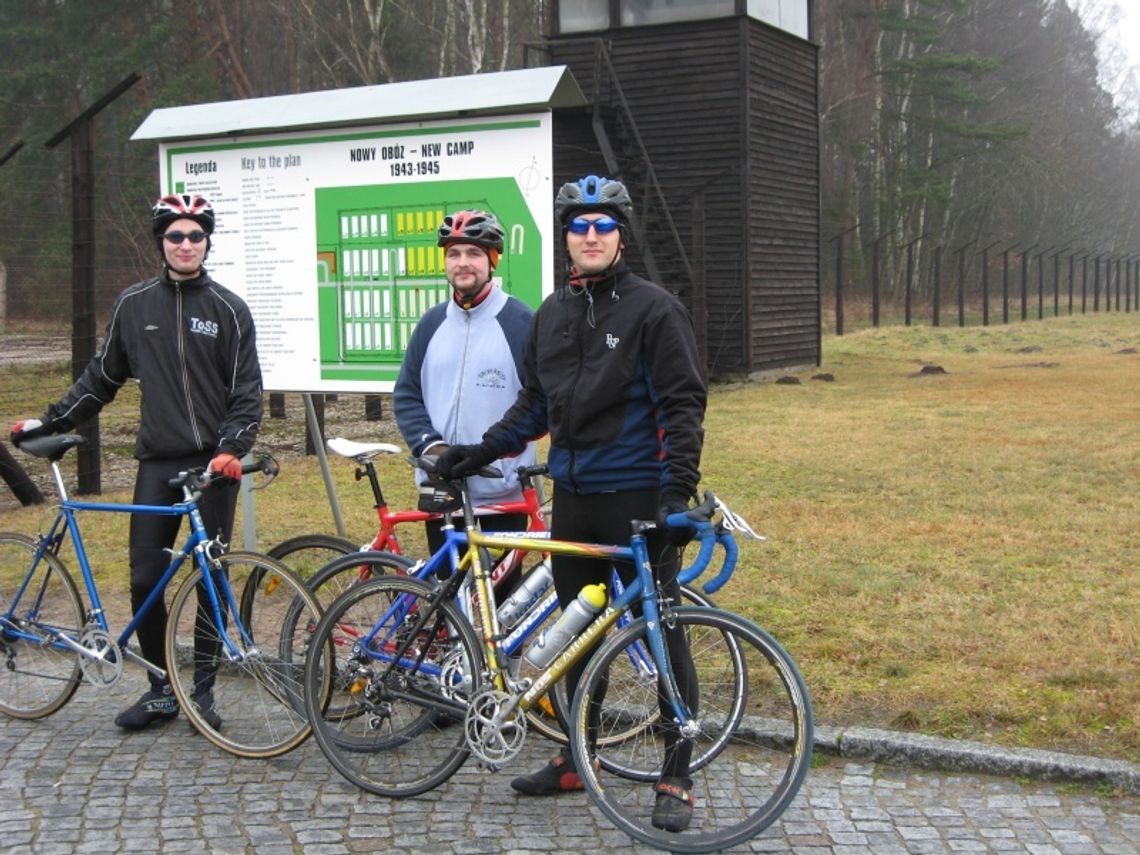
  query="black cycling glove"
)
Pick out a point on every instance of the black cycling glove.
point(462, 460)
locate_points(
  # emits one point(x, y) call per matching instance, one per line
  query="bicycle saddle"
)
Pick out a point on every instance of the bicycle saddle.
point(348, 448)
point(52, 447)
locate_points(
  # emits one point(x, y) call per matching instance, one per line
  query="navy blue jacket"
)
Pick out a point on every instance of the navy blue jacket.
point(611, 372)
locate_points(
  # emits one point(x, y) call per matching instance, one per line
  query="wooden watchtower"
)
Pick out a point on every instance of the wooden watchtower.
point(708, 111)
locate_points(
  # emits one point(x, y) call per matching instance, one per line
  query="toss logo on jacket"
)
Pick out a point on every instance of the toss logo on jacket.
point(612, 341)
point(200, 327)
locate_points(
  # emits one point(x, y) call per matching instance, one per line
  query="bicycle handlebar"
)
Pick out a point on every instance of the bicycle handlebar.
point(200, 478)
point(731, 552)
point(700, 520)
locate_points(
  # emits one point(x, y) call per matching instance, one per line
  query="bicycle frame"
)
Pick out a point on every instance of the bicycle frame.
point(198, 543)
point(643, 589)
point(386, 539)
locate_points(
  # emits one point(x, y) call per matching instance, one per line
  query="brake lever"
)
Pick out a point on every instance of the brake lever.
point(732, 521)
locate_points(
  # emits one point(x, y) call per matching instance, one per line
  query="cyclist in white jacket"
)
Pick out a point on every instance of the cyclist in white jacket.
point(463, 366)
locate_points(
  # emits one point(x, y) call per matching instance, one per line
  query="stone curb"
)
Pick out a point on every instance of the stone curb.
point(933, 752)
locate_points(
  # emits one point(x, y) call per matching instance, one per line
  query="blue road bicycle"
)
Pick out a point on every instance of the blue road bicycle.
point(424, 682)
point(224, 623)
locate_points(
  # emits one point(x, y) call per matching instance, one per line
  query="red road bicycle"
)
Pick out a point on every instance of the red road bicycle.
point(306, 554)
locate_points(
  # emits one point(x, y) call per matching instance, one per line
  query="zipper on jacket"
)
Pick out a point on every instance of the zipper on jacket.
point(573, 392)
point(462, 372)
point(185, 373)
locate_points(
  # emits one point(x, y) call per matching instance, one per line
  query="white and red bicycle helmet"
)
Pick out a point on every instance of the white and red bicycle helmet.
point(182, 206)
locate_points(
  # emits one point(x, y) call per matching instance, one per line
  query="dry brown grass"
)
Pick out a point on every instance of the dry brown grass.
point(952, 553)
point(955, 554)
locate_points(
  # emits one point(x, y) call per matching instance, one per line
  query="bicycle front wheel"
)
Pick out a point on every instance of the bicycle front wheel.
point(241, 684)
point(619, 725)
point(745, 784)
point(406, 664)
point(308, 553)
point(37, 675)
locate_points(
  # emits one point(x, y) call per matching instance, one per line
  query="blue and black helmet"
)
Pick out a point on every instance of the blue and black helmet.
point(593, 193)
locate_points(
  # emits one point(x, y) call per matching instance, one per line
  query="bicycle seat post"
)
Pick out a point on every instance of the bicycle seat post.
point(57, 476)
point(366, 468)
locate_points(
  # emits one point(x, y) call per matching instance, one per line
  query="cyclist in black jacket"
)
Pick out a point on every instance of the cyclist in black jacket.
point(190, 343)
point(611, 371)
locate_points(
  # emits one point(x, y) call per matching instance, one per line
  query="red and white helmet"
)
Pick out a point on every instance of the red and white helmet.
point(481, 228)
point(182, 206)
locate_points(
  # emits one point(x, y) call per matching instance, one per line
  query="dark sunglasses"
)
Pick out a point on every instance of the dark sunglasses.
point(603, 225)
point(177, 237)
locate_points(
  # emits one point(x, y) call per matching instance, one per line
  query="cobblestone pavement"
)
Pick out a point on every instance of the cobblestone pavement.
point(74, 783)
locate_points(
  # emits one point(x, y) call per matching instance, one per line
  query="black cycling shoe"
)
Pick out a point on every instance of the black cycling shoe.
point(155, 705)
point(673, 810)
point(557, 776)
point(204, 703)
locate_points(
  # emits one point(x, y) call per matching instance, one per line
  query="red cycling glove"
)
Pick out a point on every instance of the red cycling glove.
point(226, 465)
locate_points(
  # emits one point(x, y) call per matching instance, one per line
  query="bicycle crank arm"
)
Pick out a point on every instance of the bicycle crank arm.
point(138, 659)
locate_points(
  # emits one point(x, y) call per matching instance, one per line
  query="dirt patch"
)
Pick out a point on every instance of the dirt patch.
point(31, 349)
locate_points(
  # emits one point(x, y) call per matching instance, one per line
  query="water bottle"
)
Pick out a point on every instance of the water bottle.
point(573, 620)
point(526, 594)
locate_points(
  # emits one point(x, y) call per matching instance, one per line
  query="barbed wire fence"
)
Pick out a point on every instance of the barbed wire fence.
point(967, 285)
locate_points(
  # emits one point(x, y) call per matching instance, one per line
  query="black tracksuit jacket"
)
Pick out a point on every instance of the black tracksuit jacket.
point(191, 345)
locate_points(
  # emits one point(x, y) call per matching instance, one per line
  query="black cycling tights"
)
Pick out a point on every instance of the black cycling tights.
point(152, 534)
point(605, 518)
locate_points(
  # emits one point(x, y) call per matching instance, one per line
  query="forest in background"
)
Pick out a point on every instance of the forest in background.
point(944, 122)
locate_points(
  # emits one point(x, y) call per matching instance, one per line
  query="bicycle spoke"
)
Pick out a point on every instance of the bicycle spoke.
point(751, 776)
point(37, 675)
point(392, 726)
point(250, 670)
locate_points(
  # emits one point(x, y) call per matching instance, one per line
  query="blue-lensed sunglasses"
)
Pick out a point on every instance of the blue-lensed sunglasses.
point(602, 225)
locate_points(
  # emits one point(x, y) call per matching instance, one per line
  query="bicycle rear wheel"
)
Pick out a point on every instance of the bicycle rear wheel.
point(408, 661)
point(337, 576)
point(37, 675)
point(748, 782)
point(327, 584)
point(308, 553)
point(258, 693)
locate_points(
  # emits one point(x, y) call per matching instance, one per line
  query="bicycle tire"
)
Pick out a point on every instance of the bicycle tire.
point(330, 582)
point(36, 677)
point(259, 694)
point(404, 736)
point(748, 783)
point(306, 554)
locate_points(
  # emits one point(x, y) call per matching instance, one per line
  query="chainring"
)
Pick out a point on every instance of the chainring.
point(492, 738)
point(106, 667)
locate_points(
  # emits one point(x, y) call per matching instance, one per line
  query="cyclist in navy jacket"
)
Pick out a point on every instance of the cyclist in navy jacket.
point(612, 373)
point(463, 366)
point(190, 343)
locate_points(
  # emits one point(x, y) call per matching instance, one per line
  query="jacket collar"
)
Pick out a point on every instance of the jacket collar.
point(599, 283)
point(201, 279)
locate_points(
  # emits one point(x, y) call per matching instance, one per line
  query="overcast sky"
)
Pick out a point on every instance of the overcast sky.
point(1117, 22)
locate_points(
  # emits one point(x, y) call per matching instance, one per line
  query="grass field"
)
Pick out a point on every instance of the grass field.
point(953, 553)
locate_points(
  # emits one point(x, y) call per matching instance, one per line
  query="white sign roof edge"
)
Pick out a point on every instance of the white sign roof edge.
point(519, 91)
